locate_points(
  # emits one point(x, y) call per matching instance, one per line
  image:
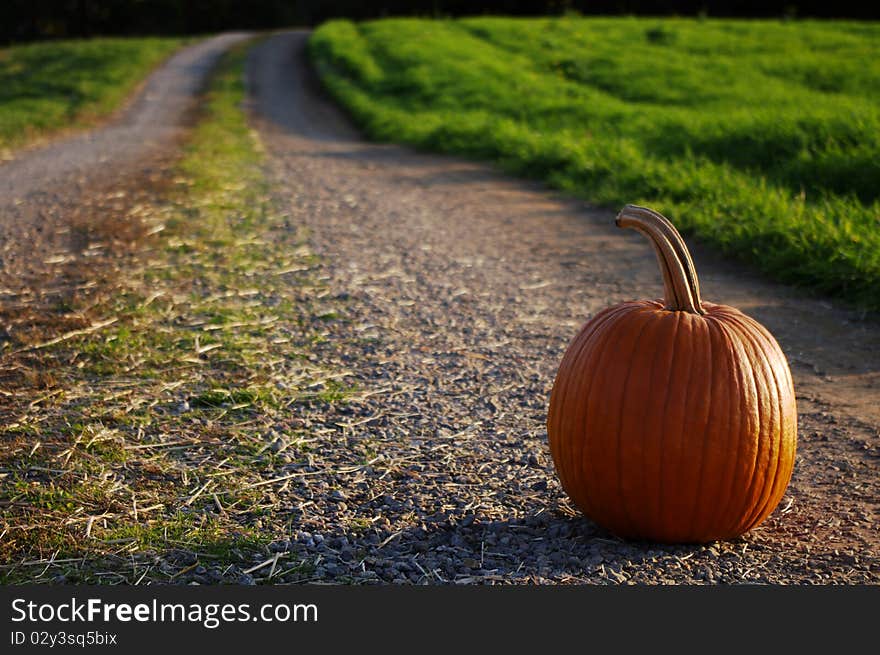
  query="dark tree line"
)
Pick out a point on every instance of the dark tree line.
point(25, 20)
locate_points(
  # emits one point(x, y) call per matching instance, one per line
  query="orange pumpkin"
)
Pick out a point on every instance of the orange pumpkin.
point(673, 421)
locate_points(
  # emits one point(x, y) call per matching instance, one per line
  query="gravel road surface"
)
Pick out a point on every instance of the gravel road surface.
point(457, 290)
point(449, 294)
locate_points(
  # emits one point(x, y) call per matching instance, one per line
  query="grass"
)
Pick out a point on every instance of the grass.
point(138, 447)
point(47, 87)
point(759, 137)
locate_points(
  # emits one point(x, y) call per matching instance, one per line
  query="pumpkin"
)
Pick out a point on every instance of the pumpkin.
point(673, 421)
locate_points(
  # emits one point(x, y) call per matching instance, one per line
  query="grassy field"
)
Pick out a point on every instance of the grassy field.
point(759, 137)
point(137, 445)
point(45, 87)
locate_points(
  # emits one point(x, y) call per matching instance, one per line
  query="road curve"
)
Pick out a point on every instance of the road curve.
point(40, 187)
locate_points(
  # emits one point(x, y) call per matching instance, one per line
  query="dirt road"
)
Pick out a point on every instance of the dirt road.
point(460, 289)
point(51, 197)
point(448, 293)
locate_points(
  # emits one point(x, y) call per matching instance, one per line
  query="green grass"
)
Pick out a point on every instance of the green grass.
point(759, 137)
point(46, 87)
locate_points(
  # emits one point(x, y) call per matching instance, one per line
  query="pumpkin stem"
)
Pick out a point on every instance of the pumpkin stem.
point(680, 284)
